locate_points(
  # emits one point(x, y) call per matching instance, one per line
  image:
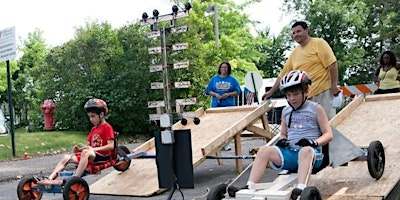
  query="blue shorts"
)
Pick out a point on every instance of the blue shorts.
point(290, 158)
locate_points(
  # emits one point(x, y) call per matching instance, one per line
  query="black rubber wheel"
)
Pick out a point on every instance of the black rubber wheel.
point(310, 193)
point(217, 192)
point(24, 189)
point(196, 121)
point(183, 121)
point(76, 188)
point(376, 159)
point(124, 164)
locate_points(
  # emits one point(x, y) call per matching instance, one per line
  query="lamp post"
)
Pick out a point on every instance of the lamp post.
point(214, 9)
point(167, 135)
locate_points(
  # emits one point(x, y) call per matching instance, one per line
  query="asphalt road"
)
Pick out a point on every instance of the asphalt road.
point(206, 175)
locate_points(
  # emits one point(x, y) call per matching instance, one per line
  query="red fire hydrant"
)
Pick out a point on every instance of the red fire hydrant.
point(48, 110)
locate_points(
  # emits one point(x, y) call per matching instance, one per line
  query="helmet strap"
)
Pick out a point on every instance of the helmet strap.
point(294, 109)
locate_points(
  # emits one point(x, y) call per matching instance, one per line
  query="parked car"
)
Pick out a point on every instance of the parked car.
point(3, 124)
point(277, 101)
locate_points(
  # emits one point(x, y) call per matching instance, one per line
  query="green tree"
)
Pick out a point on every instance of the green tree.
point(358, 31)
point(75, 72)
point(25, 89)
point(274, 50)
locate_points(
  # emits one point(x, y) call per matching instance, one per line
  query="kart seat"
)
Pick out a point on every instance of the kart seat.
point(325, 161)
point(96, 167)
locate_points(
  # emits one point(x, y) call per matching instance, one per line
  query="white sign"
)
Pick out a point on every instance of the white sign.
point(156, 68)
point(179, 65)
point(155, 104)
point(253, 81)
point(157, 85)
point(190, 101)
point(182, 84)
point(8, 46)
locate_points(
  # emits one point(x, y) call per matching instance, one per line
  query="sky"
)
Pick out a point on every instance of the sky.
point(58, 19)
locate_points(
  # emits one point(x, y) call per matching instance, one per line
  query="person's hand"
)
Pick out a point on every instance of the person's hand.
point(266, 95)
point(335, 90)
point(76, 149)
point(307, 142)
point(224, 96)
point(282, 143)
point(218, 96)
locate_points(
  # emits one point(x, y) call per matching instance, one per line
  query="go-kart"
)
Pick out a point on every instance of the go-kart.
point(340, 151)
point(72, 187)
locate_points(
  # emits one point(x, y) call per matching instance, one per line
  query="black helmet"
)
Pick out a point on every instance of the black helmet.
point(96, 105)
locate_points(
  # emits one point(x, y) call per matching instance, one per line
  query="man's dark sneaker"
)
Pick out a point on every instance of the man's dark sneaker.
point(232, 190)
point(295, 193)
point(226, 148)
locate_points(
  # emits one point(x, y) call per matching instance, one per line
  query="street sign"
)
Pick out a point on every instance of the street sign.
point(157, 85)
point(155, 104)
point(153, 34)
point(154, 50)
point(179, 65)
point(180, 29)
point(177, 47)
point(156, 68)
point(8, 46)
point(182, 84)
point(190, 101)
point(253, 81)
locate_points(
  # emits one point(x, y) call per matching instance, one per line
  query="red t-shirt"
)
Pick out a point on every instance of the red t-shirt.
point(99, 136)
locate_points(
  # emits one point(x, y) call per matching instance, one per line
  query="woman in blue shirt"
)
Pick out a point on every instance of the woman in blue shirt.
point(223, 87)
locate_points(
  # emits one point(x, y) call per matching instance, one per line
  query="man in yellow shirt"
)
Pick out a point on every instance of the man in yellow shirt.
point(314, 56)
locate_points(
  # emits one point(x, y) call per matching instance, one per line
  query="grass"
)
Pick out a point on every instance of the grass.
point(44, 143)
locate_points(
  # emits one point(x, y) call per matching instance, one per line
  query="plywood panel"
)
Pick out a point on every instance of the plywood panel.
point(371, 120)
point(217, 127)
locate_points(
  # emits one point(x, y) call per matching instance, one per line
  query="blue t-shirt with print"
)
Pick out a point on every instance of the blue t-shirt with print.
point(222, 85)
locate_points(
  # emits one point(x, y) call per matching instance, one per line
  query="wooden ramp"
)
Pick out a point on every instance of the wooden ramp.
point(376, 117)
point(217, 127)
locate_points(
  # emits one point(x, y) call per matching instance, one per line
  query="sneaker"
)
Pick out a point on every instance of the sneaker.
point(232, 190)
point(226, 148)
point(295, 193)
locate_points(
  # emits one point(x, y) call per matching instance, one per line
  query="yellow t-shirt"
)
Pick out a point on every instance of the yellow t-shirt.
point(388, 79)
point(315, 59)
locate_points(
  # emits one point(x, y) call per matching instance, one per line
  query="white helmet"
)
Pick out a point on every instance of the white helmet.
point(294, 77)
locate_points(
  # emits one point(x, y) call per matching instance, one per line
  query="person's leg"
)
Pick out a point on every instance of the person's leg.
point(86, 155)
point(62, 164)
point(264, 155)
point(306, 157)
point(325, 99)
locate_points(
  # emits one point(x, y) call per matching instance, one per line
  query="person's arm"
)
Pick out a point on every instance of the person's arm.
point(324, 126)
point(209, 89)
point(230, 94)
point(273, 89)
point(283, 127)
point(333, 70)
point(376, 74)
point(108, 147)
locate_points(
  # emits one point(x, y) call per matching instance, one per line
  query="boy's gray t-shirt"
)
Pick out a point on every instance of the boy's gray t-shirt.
point(304, 123)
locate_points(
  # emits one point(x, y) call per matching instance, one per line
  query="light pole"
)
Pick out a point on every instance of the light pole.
point(166, 137)
point(214, 9)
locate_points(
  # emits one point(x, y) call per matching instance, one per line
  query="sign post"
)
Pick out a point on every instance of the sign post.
point(8, 50)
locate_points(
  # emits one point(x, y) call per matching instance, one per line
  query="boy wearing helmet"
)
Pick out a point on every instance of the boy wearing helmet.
point(305, 129)
point(100, 141)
